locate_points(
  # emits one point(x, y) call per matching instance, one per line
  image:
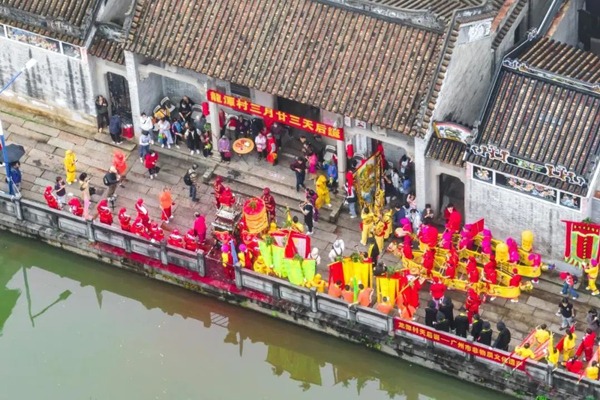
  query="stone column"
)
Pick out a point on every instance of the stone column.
point(213, 119)
point(133, 79)
point(421, 172)
point(342, 164)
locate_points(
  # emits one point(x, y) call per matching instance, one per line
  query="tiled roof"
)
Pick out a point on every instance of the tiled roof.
point(72, 12)
point(564, 60)
point(56, 18)
point(440, 8)
point(541, 121)
point(509, 22)
point(45, 32)
point(448, 151)
point(107, 49)
point(325, 56)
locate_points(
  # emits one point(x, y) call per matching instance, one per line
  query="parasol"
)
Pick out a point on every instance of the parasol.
point(14, 152)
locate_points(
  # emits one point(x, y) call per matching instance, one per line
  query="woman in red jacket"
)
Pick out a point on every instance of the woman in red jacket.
point(150, 163)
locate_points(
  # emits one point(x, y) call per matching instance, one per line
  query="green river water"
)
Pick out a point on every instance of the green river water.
point(75, 329)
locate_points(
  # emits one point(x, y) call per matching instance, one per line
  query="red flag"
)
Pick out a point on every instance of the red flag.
point(477, 227)
point(336, 273)
point(290, 249)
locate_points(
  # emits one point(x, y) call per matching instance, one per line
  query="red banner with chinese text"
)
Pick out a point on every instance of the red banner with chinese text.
point(294, 121)
point(582, 242)
point(459, 344)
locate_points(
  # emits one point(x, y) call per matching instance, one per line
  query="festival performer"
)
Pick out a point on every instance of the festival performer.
point(515, 281)
point(437, 290)
point(587, 345)
point(156, 232)
point(245, 257)
point(124, 220)
point(348, 294)
point(591, 269)
point(384, 306)
point(269, 200)
point(322, 190)
point(410, 286)
point(541, 335)
point(75, 206)
point(407, 248)
point(574, 365)
point(176, 239)
point(472, 271)
point(139, 228)
point(51, 200)
point(70, 162)
point(367, 223)
point(387, 220)
point(365, 296)
point(227, 260)
point(472, 304)
point(428, 261)
point(337, 250)
point(218, 187)
point(191, 243)
point(486, 242)
point(104, 213)
point(450, 271)
point(453, 218)
point(335, 290)
point(166, 204)
point(592, 371)
point(525, 351)
point(318, 283)
point(379, 232)
point(490, 276)
point(120, 164)
point(567, 345)
point(142, 212)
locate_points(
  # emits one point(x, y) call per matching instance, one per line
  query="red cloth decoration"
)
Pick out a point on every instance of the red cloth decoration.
point(581, 242)
point(336, 273)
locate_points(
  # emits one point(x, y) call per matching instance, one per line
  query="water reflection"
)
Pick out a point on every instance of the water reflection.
point(196, 339)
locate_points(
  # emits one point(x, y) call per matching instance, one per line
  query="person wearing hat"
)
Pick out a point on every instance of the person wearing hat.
point(485, 336)
point(461, 323)
point(269, 200)
point(271, 149)
point(503, 338)
point(337, 250)
point(591, 269)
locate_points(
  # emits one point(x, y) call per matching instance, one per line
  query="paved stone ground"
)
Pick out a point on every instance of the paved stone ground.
point(46, 141)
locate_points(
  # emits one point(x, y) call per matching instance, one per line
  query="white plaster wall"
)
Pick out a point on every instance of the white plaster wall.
point(98, 70)
point(508, 213)
point(508, 42)
point(567, 29)
point(62, 83)
point(150, 91)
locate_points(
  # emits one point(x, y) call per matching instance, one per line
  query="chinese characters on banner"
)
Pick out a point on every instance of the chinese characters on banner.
point(294, 121)
point(459, 344)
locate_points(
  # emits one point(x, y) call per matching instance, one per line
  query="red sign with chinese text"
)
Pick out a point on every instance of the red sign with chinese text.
point(459, 344)
point(294, 121)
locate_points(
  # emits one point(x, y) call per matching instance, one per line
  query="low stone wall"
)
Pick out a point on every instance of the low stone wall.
point(275, 297)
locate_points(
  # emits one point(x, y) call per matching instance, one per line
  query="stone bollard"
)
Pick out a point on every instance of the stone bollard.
point(549, 377)
point(390, 326)
point(18, 208)
point(238, 276)
point(313, 300)
point(352, 313)
point(127, 242)
point(200, 263)
point(276, 291)
point(469, 356)
point(164, 259)
point(90, 230)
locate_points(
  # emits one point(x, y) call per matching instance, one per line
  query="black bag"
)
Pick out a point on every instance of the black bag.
point(187, 179)
point(92, 190)
point(107, 179)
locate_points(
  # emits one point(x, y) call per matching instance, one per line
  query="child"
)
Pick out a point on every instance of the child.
point(150, 163)
point(166, 203)
point(60, 191)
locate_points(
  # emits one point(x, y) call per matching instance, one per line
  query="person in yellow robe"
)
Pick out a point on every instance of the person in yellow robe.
point(525, 351)
point(70, 162)
point(387, 219)
point(542, 334)
point(318, 283)
point(569, 346)
point(379, 233)
point(592, 371)
point(591, 270)
point(322, 190)
point(367, 223)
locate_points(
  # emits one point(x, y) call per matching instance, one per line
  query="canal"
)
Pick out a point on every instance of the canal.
point(71, 328)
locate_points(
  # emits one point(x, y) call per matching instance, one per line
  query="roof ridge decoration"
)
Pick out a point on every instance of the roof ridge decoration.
point(420, 18)
point(520, 66)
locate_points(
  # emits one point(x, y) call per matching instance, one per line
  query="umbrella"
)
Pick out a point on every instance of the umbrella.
point(14, 152)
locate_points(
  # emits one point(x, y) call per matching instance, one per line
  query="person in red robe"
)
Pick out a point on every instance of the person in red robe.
point(156, 232)
point(472, 304)
point(269, 200)
point(587, 345)
point(490, 276)
point(139, 228)
point(218, 187)
point(142, 213)
point(271, 149)
point(76, 207)
point(515, 281)
point(104, 213)
point(428, 261)
point(407, 248)
point(190, 240)
point(453, 218)
point(199, 227)
point(175, 239)
point(409, 294)
point(437, 289)
point(574, 365)
point(472, 271)
point(124, 220)
point(50, 198)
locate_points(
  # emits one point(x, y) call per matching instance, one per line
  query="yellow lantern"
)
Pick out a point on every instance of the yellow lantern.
point(527, 240)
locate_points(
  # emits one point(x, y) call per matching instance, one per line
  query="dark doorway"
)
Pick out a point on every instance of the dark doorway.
point(452, 190)
point(291, 145)
point(118, 92)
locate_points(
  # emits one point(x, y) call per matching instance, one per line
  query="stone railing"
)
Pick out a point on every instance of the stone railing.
point(408, 338)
